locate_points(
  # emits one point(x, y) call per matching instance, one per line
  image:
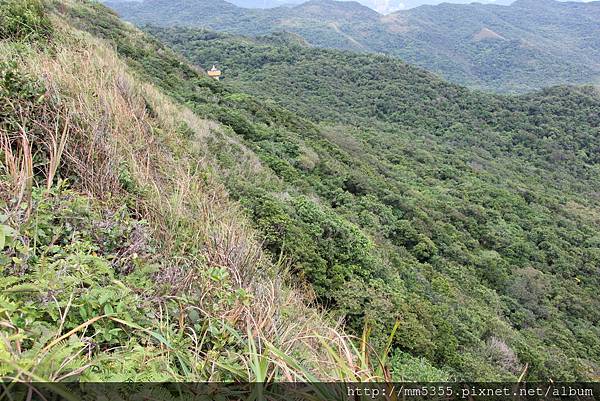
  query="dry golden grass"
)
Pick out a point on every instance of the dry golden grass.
point(18, 165)
point(115, 129)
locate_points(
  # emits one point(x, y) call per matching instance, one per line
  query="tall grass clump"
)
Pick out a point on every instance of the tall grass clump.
point(33, 130)
point(123, 256)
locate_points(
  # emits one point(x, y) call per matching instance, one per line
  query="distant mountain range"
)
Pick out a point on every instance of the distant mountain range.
point(527, 45)
point(381, 6)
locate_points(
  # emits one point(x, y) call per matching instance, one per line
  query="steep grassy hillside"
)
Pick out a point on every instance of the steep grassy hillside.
point(480, 212)
point(528, 45)
point(464, 224)
point(123, 256)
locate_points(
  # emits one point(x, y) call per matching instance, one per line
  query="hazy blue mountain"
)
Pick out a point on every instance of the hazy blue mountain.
point(382, 6)
point(527, 45)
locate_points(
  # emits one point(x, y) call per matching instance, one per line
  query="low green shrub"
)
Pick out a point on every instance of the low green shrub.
point(24, 20)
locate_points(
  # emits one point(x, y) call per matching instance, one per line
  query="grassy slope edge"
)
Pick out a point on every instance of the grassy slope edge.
point(123, 258)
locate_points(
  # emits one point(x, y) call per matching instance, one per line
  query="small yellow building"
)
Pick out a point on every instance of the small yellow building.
point(214, 73)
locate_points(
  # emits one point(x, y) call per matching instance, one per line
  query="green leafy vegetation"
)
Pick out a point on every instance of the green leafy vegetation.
point(123, 258)
point(23, 20)
point(471, 213)
point(453, 231)
point(527, 45)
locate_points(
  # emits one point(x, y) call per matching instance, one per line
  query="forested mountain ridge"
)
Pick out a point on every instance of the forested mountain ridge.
point(516, 48)
point(460, 193)
point(342, 87)
point(464, 224)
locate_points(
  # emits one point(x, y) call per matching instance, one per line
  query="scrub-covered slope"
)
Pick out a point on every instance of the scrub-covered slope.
point(464, 224)
point(123, 257)
point(478, 214)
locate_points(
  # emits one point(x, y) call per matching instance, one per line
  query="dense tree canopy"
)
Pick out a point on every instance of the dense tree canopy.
point(471, 219)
